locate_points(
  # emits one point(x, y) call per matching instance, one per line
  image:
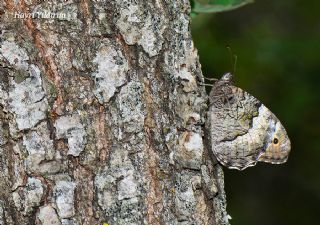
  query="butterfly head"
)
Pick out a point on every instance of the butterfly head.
point(278, 146)
point(228, 77)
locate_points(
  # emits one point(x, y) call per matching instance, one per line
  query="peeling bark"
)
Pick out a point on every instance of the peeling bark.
point(102, 116)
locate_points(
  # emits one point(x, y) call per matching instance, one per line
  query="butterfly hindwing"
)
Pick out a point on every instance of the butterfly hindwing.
point(243, 131)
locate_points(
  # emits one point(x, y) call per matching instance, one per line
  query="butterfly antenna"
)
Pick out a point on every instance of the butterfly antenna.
point(234, 59)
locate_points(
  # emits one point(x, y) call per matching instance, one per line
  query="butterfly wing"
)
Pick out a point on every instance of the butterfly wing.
point(243, 130)
point(278, 149)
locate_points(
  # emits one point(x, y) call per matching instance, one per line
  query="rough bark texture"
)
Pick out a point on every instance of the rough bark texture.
point(102, 116)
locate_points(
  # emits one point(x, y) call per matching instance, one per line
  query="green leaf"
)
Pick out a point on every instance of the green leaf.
point(215, 6)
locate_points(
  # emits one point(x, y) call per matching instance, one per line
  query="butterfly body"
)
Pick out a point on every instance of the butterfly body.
point(242, 130)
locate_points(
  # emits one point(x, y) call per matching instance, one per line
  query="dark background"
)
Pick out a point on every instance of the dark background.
point(278, 49)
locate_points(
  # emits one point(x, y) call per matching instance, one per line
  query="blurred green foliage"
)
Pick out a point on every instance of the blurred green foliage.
point(214, 6)
point(278, 49)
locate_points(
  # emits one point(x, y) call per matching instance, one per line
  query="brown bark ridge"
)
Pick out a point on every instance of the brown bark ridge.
point(102, 116)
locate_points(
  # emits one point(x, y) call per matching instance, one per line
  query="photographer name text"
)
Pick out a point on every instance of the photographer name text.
point(44, 15)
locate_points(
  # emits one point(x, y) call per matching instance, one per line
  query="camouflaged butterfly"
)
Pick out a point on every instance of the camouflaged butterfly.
point(242, 130)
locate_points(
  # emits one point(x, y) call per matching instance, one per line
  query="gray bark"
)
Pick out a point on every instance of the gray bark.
point(102, 116)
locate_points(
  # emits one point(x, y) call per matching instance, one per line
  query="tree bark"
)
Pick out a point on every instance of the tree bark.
point(102, 116)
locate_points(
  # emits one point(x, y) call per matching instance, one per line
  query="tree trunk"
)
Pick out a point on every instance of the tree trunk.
point(102, 116)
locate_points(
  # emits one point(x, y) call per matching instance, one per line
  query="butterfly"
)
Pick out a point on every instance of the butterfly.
point(242, 131)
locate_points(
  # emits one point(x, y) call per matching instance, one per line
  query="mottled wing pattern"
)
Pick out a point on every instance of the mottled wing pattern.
point(243, 131)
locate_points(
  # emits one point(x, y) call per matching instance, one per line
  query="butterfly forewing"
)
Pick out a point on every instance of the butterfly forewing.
point(242, 129)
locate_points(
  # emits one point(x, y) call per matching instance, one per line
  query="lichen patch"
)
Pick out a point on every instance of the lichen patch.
point(41, 152)
point(190, 150)
point(27, 99)
point(30, 196)
point(48, 216)
point(71, 128)
point(111, 72)
point(15, 55)
point(139, 27)
point(64, 198)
